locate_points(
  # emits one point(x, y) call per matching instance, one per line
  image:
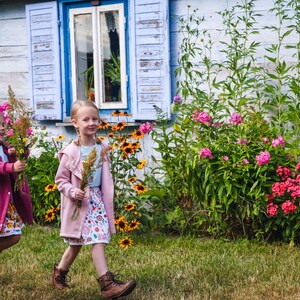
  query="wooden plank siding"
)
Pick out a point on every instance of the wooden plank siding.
point(150, 77)
point(214, 25)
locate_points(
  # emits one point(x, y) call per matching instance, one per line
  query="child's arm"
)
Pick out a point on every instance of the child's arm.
point(6, 167)
point(63, 181)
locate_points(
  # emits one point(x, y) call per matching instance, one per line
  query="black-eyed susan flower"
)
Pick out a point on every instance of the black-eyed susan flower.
point(140, 188)
point(137, 134)
point(134, 224)
point(126, 114)
point(122, 225)
point(120, 125)
point(49, 216)
point(116, 113)
point(141, 164)
point(128, 150)
point(111, 135)
point(101, 138)
point(129, 206)
point(120, 218)
point(59, 138)
point(132, 179)
point(136, 145)
point(125, 144)
point(50, 187)
point(103, 125)
point(125, 243)
point(137, 213)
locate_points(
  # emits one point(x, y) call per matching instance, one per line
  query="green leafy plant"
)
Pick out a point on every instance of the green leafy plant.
point(221, 154)
point(41, 170)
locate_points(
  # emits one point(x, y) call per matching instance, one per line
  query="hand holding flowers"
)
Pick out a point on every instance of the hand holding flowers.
point(19, 134)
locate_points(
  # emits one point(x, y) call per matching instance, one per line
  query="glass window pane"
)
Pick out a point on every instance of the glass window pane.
point(83, 33)
point(110, 53)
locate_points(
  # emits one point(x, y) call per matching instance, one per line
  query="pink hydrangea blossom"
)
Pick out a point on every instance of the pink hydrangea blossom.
point(265, 139)
point(10, 132)
point(278, 141)
point(235, 118)
point(263, 158)
point(30, 131)
point(3, 107)
point(202, 117)
point(242, 141)
point(205, 152)
point(288, 207)
point(272, 209)
point(145, 128)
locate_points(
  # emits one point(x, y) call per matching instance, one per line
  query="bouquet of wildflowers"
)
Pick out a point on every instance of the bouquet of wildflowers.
point(86, 172)
point(19, 131)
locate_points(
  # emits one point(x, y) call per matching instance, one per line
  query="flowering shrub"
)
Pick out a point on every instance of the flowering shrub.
point(126, 163)
point(43, 190)
point(229, 133)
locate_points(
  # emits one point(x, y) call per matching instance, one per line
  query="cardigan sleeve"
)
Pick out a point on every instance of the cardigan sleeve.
point(63, 178)
point(6, 167)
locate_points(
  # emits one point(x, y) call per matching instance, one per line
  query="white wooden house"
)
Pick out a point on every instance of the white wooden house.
point(47, 48)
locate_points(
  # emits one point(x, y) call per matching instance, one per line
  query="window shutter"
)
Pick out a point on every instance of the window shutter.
point(44, 61)
point(149, 58)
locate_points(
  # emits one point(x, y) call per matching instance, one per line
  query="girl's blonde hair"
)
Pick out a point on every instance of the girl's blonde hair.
point(81, 103)
point(74, 114)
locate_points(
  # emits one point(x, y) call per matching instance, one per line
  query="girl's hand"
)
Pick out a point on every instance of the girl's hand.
point(11, 151)
point(19, 166)
point(79, 195)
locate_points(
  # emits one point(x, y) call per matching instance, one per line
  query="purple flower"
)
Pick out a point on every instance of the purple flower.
point(177, 99)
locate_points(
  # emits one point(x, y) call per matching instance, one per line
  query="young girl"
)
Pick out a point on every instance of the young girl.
point(95, 221)
point(15, 207)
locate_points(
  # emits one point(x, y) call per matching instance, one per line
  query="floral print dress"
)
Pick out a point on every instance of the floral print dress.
point(13, 223)
point(96, 228)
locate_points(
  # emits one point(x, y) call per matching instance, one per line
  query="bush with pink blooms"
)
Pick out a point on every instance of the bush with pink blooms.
point(230, 135)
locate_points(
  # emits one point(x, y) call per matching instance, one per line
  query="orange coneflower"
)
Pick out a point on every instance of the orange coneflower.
point(126, 144)
point(136, 145)
point(50, 187)
point(120, 125)
point(116, 113)
point(122, 225)
point(141, 164)
point(137, 134)
point(137, 213)
point(49, 216)
point(117, 220)
point(101, 138)
point(103, 125)
point(128, 150)
point(132, 179)
point(129, 206)
point(140, 188)
point(126, 114)
point(111, 135)
point(59, 138)
point(134, 224)
point(125, 243)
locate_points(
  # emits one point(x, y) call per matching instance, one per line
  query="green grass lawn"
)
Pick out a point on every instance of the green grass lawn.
point(164, 268)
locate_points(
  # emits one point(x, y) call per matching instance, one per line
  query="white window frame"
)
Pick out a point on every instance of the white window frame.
point(97, 55)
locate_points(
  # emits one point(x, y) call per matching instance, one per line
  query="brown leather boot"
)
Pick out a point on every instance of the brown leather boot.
point(112, 288)
point(59, 278)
